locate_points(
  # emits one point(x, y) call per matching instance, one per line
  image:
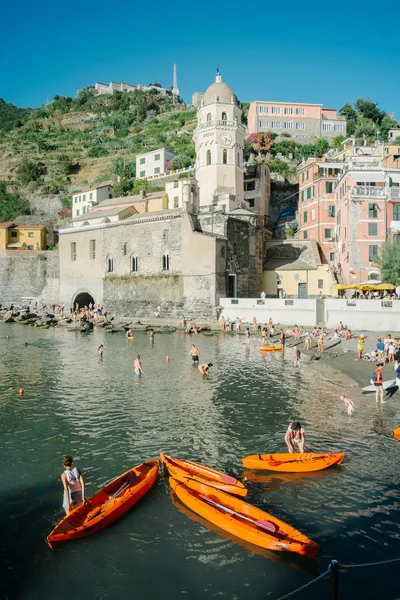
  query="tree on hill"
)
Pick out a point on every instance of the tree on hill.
point(11, 116)
point(11, 205)
point(30, 170)
point(389, 262)
point(365, 118)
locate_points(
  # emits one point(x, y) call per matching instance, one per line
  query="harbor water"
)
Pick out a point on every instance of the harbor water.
point(108, 420)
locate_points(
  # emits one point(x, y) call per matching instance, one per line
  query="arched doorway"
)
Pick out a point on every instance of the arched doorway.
point(83, 299)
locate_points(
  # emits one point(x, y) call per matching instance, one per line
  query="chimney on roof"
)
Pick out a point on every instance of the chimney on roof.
point(142, 194)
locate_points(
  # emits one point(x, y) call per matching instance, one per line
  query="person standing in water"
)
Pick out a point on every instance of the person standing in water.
point(282, 338)
point(73, 484)
point(137, 365)
point(247, 335)
point(195, 354)
point(151, 335)
point(100, 351)
point(129, 334)
point(296, 362)
point(348, 403)
point(294, 436)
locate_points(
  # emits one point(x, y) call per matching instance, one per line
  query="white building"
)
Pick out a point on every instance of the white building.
point(153, 163)
point(82, 202)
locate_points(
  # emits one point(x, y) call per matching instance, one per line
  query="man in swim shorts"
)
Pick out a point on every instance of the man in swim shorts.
point(195, 354)
point(137, 366)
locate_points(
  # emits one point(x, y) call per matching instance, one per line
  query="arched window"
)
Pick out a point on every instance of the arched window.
point(106, 220)
point(165, 261)
point(238, 159)
point(209, 118)
point(209, 157)
point(224, 156)
point(223, 116)
point(134, 264)
point(85, 223)
point(109, 264)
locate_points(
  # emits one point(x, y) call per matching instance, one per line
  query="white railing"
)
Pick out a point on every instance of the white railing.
point(394, 193)
point(220, 123)
point(366, 190)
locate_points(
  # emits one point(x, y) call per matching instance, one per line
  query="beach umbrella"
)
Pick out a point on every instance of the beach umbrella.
point(385, 286)
point(339, 286)
point(368, 288)
point(353, 286)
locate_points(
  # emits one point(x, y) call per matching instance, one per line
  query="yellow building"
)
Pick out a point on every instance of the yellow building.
point(22, 237)
point(296, 269)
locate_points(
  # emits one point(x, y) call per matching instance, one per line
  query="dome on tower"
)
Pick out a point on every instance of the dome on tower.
point(219, 92)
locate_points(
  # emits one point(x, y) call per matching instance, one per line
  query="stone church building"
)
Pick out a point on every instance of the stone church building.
point(171, 259)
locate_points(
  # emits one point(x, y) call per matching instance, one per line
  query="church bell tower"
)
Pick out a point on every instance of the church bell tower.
point(219, 141)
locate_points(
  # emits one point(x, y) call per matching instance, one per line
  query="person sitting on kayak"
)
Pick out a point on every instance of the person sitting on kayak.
point(129, 333)
point(295, 436)
point(74, 485)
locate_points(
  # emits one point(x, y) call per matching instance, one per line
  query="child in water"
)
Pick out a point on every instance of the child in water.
point(348, 403)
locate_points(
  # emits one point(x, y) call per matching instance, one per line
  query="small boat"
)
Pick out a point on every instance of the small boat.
point(271, 348)
point(388, 384)
point(106, 505)
point(242, 519)
point(182, 469)
point(294, 462)
point(396, 433)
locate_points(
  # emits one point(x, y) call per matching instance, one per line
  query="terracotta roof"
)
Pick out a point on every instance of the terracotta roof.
point(6, 224)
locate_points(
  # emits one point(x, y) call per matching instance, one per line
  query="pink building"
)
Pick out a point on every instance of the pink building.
point(367, 213)
point(317, 203)
point(303, 122)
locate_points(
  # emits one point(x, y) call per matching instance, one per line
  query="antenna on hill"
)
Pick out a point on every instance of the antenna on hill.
point(175, 90)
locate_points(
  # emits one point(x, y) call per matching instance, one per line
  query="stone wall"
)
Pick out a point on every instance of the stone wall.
point(140, 296)
point(33, 274)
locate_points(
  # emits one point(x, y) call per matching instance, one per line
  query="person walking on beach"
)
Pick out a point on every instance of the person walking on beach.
point(307, 342)
point(137, 366)
point(360, 346)
point(348, 403)
point(296, 362)
point(380, 346)
point(204, 369)
point(195, 354)
point(73, 484)
point(294, 436)
point(100, 350)
point(378, 383)
point(321, 341)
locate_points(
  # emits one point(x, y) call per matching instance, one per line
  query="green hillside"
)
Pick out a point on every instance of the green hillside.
point(70, 142)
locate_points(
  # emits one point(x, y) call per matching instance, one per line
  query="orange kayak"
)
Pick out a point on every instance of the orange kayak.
point(182, 469)
point(270, 348)
point(292, 462)
point(242, 519)
point(106, 505)
point(396, 433)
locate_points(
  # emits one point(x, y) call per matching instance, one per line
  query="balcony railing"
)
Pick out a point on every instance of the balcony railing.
point(394, 193)
point(220, 123)
point(368, 191)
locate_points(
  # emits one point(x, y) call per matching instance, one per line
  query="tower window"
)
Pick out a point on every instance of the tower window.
point(110, 264)
point(134, 264)
point(209, 117)
point(223, 116)
point(225, 157)
point(238, 159)
point(165, 262)
point(209, 157)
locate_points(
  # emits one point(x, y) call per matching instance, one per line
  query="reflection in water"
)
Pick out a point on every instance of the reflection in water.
point(109, 421)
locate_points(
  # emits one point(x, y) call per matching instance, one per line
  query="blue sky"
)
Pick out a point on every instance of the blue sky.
point(287, 51)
